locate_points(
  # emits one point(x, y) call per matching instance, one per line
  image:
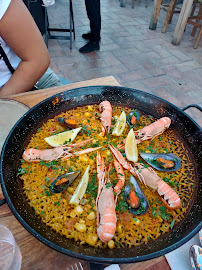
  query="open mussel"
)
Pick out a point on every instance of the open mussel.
point(134, 196)
point(63, 181)
point(132, 118)
point(69, 123)
point(162, 162)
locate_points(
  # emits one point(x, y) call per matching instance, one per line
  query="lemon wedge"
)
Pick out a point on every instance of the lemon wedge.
point(81, 188)
point(120, 125)
point(63, 138)
point(131, 147)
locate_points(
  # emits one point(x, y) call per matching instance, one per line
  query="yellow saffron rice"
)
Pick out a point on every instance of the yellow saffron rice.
point(57, 213)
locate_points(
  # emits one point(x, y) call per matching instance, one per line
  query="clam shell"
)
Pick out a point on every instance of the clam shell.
point(71, 176)
point(151, 158)
point(144, 203)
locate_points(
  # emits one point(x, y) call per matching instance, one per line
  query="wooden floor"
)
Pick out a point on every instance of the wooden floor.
point(136, 56)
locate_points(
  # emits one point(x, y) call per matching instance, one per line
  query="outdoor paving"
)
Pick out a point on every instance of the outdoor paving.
point(136, 56)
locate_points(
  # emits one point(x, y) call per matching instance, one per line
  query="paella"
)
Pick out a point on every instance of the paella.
point(108, 176)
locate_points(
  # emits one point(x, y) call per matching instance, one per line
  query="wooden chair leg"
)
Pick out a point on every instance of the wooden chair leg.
point(197, 20)
point(133, 3)
point(155, 14)
point(169, 14)
point(198, 38)
point(193, 8)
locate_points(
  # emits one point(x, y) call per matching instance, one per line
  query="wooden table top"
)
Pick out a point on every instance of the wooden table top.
point(36, 255)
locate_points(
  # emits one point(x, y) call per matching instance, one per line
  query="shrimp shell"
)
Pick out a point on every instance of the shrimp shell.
point(106, 116)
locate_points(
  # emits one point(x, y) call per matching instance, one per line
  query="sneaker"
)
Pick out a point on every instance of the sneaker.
point(87, 35)
point(90, 47)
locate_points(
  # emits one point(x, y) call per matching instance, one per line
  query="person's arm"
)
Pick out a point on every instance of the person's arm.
point(20, 32)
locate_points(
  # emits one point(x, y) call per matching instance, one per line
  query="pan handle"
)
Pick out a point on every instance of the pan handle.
point(192, 105)
point(2, 202)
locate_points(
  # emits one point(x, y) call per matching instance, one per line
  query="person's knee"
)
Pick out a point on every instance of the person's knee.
point(49, 79)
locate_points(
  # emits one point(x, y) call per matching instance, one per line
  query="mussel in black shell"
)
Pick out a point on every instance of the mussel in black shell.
point(70, 123)
point(162, 162)
point(134, 196)
point(132, 118)
point(63, 181)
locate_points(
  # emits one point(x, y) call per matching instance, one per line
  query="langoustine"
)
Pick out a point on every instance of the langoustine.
point(149, 177)
point(106, 116)
point(151, 131)
point(36, 155)
point(105, 202)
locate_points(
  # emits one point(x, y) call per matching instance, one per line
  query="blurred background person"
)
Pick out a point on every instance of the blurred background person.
point(94, 16)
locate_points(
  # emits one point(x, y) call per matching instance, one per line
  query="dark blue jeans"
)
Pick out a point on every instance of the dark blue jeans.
point(94, 16)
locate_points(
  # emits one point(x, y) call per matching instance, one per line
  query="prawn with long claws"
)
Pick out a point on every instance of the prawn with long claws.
point(106, 116)
point(153, 130)
point(150, 132)
point(105, 202)
point(149, 177)
point(36, 155)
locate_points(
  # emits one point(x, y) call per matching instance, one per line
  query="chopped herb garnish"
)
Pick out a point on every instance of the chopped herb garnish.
point(85, 128)
point(172, 224)
point(96, 144)
point(162, 213)
point(114, 182)
point(50, 164)
point(157, 200)
point(57, 203)
point(113, 144)
point(21, 171)
point(112, 171)
point(54, 168)
point(162, 208)
point(92, 187)
point(47, 193)
point(122, 205)
point(151, 149)
point(145, 165)
point(154, 214)
point(108, 185)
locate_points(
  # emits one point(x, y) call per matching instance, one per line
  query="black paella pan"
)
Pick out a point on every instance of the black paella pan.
point(188, 131)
